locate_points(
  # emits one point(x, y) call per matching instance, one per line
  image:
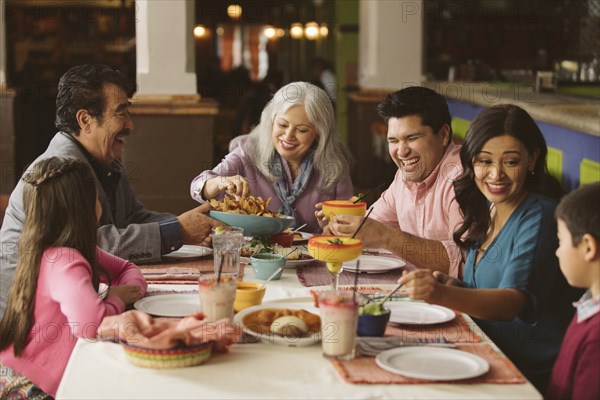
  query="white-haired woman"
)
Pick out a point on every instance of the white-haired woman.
point(293, 156)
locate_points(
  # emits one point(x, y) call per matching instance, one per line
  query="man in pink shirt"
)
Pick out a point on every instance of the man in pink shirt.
point(416, 216)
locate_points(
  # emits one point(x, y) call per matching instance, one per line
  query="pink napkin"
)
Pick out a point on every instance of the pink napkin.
point(140, 329)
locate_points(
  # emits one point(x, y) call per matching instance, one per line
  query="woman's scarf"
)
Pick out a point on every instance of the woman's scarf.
point(287, 196)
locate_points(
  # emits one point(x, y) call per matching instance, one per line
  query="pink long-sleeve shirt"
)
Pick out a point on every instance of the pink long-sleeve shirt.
point(67, 307)
point(426, 209)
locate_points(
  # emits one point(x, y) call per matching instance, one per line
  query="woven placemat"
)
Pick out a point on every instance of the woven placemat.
point(316, 274)
point(180, 272)
point(365, 370)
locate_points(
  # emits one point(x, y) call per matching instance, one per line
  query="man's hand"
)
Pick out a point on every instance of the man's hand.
point(371, 234)
point(196, 226)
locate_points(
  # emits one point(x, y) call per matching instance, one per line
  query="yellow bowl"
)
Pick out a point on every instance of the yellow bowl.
point(247, 295)
point(343, 207)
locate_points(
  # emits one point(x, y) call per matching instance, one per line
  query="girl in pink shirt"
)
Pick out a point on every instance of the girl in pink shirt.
point(54, 297)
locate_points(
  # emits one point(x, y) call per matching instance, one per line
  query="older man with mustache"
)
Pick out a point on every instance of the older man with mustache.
point(93, 118)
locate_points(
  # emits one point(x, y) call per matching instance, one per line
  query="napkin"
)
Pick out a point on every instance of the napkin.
point(140, 329)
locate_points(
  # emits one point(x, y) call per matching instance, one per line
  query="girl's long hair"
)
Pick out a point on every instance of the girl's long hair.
point(503, 119)
point(59, 197)
point(331, 158)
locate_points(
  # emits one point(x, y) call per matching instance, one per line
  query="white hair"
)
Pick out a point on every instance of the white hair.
point(331, 158)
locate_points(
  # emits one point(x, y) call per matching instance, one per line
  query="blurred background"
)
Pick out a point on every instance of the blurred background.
point(244, 50)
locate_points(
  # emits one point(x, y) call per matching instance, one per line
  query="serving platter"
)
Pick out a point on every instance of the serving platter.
point(302, 303)
point(253, 225)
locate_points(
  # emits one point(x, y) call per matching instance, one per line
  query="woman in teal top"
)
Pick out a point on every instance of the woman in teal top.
point(513, 286)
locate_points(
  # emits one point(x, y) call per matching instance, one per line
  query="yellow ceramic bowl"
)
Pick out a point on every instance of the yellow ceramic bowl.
point(343, 207)
point(334, 250)
point(247, 295)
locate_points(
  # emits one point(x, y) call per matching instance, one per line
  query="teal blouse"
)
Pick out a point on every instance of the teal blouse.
point(522, 256)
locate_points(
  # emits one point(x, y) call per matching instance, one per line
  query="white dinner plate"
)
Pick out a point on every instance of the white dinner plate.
point(304, 240)
point(374, 264)
point(188, 252)
point(170, 305)
point(295, 303)
point(414, 313)
point(432, 363)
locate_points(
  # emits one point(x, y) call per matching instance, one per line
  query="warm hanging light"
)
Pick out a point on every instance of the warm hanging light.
point(280, 32)
point(296, 30)
point(311, 30)
point(323, 30)
point(199, 31)
point(269, 32)
point(234, 11)
point(220, 31)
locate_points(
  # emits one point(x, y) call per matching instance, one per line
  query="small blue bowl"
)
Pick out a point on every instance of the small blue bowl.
point(372, 325)
point(264, 264)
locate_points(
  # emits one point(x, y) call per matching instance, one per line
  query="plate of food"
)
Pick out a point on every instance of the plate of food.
point(250, 213)
point(293, 322)
point(374, 264)
point(301, 238)
point(188, 252)
point(295, 255)
point(170, 305)
point(432, 363)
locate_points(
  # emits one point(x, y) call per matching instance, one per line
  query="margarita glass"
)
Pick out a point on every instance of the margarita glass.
point(334, 250)
point(344, 207)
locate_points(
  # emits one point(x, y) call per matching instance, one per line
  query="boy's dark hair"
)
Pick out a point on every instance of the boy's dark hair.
point(417, 100)
point(579, 211)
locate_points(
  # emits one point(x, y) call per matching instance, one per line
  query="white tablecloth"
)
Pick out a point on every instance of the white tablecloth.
point(98, 370)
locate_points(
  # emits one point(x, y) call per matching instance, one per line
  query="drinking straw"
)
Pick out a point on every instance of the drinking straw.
point(359, 197)
point(356, 280)
point(362, 222)
point(220, 269)
point(300, 227)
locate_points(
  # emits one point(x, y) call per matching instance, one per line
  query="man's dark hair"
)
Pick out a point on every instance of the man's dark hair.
point(417, 100)
point(81, 88)
point(579, 211)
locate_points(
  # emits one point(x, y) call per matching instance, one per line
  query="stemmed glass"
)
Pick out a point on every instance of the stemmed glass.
point(334, 250)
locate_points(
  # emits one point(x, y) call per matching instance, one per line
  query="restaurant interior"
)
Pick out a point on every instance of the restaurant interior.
point(243, 51)
point(201, 72)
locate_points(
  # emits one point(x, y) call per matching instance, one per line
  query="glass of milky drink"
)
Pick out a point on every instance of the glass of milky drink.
point(339, 316)
point(217, 295)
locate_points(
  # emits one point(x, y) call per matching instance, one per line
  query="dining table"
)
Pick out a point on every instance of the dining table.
point(249, 370)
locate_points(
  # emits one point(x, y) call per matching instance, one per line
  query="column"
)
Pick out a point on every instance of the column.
point(390, 44)
point(165, 49)
point(2, 43)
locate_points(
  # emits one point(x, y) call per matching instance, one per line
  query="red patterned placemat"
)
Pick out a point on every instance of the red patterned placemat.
point(316, 274)
point(365, 370)
point(181, 272)
point(459, 330)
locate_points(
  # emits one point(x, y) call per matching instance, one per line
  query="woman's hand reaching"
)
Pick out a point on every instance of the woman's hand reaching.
point(235, 185)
